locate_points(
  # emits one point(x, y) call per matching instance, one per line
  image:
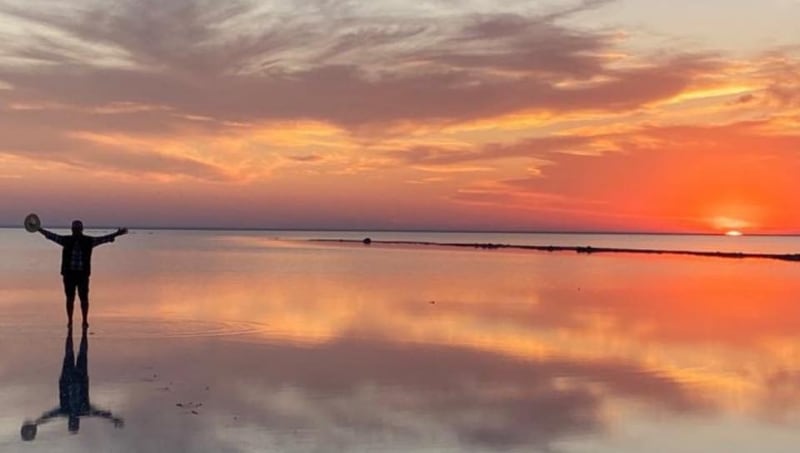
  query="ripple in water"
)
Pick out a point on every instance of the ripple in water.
point(129, 327)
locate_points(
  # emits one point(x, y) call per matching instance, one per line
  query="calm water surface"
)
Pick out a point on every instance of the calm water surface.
point(260, 341)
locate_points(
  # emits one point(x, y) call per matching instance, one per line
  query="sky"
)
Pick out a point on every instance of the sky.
point(557, 115)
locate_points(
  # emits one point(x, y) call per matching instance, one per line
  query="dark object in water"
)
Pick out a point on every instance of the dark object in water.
point(367, 241)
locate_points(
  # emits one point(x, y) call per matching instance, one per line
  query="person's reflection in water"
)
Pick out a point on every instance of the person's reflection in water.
point(73, 393)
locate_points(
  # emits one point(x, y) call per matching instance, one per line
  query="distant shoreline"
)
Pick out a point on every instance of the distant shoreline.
point(587, 250)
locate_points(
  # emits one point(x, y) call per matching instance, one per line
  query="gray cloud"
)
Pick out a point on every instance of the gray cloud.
point(237, 63)
point(307, 158)
point(340, 63)
point(538, 147)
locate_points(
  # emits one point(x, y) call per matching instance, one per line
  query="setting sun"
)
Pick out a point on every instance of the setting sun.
point(731, 226)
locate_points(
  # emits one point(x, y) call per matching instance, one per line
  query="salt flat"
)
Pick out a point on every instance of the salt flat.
point(235, 341)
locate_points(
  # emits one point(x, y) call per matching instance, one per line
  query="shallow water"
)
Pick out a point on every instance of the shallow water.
point(258, 341)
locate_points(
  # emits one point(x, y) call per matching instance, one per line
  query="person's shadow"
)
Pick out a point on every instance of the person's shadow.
point(73, 393)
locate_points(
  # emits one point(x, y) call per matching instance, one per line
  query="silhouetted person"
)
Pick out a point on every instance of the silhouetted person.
point(76, 264)
point(73, 393)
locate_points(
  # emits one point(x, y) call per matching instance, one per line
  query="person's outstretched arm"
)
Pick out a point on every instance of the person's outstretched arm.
point(118, 422)
point(109, 237)
point(49, 415)
point(57, 238)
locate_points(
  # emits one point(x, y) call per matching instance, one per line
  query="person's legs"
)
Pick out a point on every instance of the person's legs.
point(67, 373)
point(83, 294)
point(69, 290)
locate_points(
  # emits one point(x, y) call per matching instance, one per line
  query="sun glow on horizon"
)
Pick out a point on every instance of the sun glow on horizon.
point(730, 224)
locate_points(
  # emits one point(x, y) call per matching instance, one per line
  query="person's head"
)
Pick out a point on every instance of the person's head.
point(28, 431)
point(77, 227)
point(73, 424)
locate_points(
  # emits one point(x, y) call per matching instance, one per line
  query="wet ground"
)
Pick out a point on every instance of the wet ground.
point(230, 342)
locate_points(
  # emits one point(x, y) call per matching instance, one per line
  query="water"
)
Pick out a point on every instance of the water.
point(702, 243)
point(262, 341)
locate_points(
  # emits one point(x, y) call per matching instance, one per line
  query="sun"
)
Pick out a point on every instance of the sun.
point(731, 225)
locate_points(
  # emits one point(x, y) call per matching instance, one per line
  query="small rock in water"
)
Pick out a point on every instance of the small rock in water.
point(367, 241)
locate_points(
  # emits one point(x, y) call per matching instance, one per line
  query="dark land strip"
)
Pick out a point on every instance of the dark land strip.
point(576, 249)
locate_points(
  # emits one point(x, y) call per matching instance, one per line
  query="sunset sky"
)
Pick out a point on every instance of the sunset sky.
point(593, 115)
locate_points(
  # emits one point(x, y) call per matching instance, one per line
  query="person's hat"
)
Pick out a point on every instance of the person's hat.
point(28, 431)
point(32, 223)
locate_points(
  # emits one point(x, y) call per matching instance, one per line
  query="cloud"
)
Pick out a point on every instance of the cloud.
point(292, 67)
point(38, 143)
point(534, 148)
point(344, 95)
point(200, 67)
point(308, 158)
point(745, 99)
point(781, 73)
point(687, 174)
point(144, 163)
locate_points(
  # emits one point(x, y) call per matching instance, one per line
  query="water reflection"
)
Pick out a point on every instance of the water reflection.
point(73, 393)
point(430, 394)
point(295, 347)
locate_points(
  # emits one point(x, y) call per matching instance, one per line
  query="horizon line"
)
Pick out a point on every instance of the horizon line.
point(414, 230)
